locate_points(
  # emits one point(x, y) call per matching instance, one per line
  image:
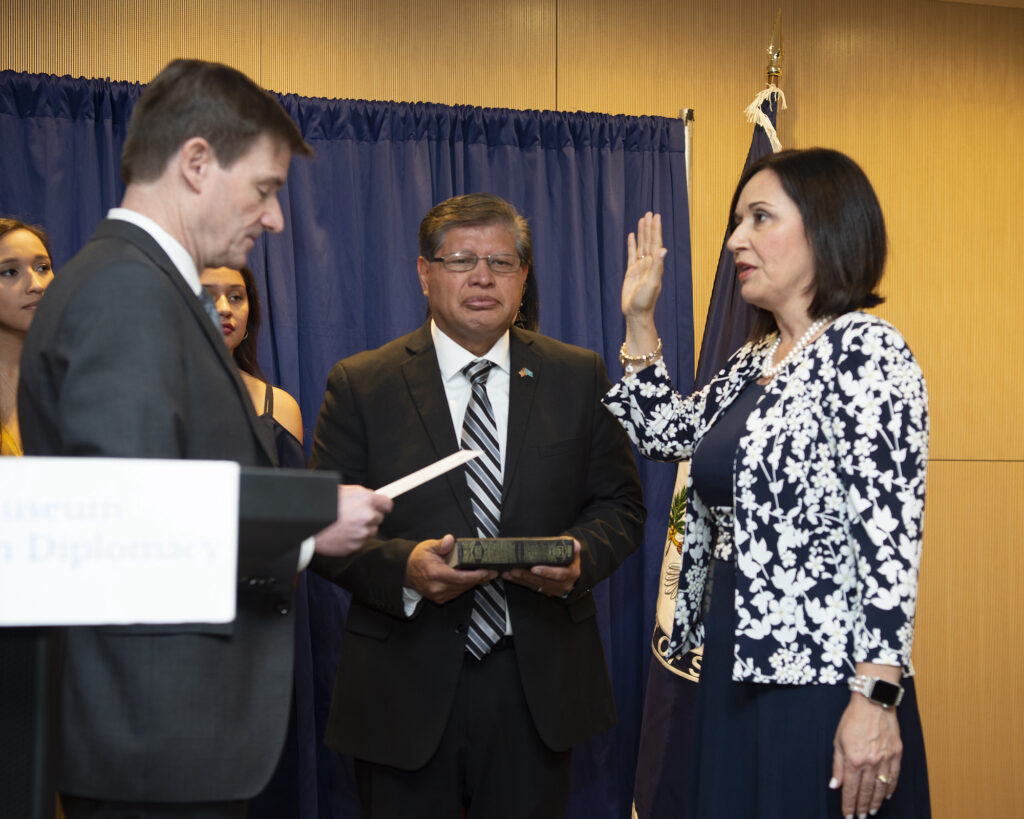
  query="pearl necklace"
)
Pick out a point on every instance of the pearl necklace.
point(769, 369)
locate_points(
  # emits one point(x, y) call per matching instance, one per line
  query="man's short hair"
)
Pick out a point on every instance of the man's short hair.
point(473, 210)
point(193, 98)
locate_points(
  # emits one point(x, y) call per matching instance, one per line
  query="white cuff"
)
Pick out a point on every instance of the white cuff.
point(410, 600)
point(306, 552)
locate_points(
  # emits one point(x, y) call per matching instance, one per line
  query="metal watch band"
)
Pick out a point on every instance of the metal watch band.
point(879, 691)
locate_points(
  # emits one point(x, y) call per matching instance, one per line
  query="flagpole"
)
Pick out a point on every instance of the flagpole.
point(686, 114)
point(773, 73)
point(771, 93)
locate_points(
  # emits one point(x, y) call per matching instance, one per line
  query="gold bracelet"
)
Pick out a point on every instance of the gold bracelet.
point(629, 362)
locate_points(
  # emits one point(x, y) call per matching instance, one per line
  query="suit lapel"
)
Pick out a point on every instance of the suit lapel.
point(148, 245)
point(525, 365)
point(423, 378)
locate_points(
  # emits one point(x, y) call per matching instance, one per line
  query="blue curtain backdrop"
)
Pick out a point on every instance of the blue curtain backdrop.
point(341, 278)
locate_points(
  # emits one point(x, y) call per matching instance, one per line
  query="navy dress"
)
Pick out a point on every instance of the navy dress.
point(765, 750)
point(282, 797)
point(290, 454)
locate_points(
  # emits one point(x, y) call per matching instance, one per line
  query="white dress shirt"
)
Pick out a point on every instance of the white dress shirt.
point(451, 359)
point(182, 259)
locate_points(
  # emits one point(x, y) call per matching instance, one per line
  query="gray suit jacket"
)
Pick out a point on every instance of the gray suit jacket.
point(122, 360)
point(568, 468)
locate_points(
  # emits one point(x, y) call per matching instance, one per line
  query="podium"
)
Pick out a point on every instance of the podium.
point(275, 506)
point(28, 697)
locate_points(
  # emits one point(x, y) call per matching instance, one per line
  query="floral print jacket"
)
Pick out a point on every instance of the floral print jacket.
point(828, 486)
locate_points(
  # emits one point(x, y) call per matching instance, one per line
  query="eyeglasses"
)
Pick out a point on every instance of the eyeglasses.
point(501, 264)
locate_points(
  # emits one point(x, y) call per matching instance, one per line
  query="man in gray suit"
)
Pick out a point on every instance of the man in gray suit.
point(123, 360)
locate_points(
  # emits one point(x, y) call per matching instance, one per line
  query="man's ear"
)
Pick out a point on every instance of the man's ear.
point(195, 160)
point(422, 265)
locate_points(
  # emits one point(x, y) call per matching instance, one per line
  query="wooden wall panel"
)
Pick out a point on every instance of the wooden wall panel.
point(659, 57)
point(967, 644)
point(1019, 4)
point(924, 94)
point(452, 52)
point(920, 93)
point(127, 39)
point(310, 53)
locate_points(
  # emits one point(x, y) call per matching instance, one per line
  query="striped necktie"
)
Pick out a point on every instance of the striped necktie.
point(483, 476)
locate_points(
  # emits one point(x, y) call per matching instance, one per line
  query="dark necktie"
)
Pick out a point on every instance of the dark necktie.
point(483, 475)
point(210, 308)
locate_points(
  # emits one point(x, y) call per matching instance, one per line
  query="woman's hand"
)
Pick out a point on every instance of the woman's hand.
point(644, 266)
point(641, 286)
point(866, 759)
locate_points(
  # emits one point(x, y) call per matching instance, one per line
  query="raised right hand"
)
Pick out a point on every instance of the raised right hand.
point(644, 267)
point(429, 574)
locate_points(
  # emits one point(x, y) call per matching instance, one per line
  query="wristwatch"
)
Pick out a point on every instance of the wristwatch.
point(879, 691)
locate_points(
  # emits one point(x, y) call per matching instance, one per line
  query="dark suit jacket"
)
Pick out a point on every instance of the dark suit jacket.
point(121, 360)
point(568, 468)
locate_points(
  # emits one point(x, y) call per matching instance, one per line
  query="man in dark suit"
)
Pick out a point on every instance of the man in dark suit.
point(124, 360)
point(437, 721)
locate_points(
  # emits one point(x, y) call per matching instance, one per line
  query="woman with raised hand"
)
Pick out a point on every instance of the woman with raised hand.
point(802, 538)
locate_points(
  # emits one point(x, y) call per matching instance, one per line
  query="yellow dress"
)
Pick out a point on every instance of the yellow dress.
point(8, 444)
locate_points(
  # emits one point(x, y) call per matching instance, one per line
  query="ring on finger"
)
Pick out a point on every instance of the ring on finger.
point(540, 589)
point(885, 779)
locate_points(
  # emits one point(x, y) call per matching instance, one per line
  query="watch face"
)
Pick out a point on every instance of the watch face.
point(886, 693)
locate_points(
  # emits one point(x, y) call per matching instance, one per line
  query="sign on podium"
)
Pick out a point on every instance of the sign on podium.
point(112, 541)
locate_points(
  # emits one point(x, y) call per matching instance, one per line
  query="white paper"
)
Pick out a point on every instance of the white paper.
point(114, 540)
point(428, 473)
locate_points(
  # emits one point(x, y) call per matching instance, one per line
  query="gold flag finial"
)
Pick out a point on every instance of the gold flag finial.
point(774, 71)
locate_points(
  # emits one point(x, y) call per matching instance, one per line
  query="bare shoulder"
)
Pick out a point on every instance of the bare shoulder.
point(287, 413)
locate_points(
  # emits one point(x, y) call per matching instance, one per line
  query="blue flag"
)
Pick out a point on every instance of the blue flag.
point(663, 762)
point(729, 317)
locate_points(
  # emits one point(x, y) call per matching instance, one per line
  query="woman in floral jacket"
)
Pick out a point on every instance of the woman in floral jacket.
point(802, 538)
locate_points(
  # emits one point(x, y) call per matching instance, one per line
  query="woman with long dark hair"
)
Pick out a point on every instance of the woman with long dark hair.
point(237, 301)
point(25, 273)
